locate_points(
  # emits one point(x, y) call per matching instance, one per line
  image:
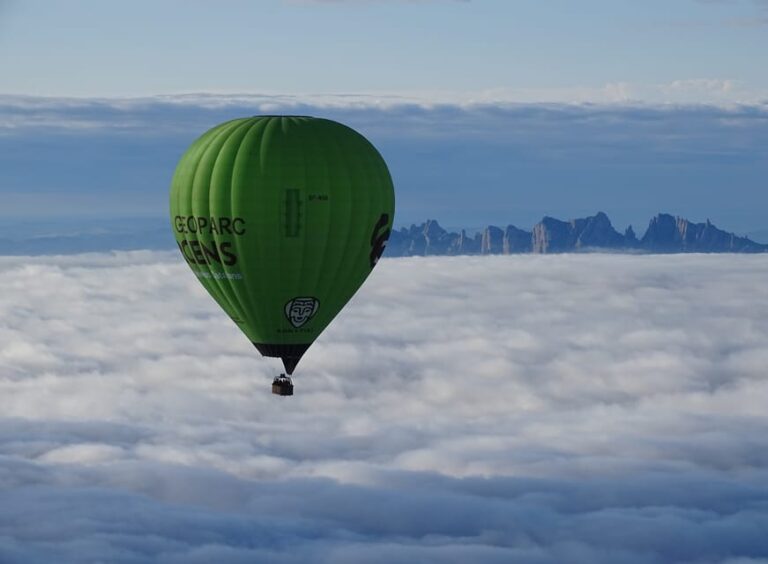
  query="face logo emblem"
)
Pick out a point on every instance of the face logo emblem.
point(300, 310)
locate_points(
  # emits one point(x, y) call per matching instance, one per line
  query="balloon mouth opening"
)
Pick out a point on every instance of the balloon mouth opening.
point(289, 354)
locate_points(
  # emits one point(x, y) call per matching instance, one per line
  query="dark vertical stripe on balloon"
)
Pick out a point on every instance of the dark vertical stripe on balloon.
point(292, 213)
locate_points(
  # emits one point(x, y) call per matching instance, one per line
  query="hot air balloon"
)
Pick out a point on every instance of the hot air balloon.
point(282, 218)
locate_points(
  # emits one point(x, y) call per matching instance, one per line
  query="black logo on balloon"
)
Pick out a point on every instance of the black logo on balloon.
point(300, 310)
point(379, 238)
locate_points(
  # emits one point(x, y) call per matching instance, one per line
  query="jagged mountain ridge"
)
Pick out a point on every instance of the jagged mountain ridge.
point(665, 234)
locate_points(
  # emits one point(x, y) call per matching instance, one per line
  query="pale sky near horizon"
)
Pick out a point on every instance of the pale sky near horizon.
point(670, 115)
point(555, 50)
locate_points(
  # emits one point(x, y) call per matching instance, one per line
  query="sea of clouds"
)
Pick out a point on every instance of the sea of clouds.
point(543, 409)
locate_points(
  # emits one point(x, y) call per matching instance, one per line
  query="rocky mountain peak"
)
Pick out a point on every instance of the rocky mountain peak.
point(665, 234)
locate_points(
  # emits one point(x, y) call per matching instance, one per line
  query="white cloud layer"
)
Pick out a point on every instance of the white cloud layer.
point(579, 408)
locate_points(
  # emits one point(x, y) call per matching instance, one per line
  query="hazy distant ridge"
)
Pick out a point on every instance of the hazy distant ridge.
point(665, 234)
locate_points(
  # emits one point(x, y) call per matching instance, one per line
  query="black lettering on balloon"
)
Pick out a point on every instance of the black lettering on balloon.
point(379, 239)
point(209, 224)
point(183, 246)
point(229, 258)
point(196, 251)
point(210, 253)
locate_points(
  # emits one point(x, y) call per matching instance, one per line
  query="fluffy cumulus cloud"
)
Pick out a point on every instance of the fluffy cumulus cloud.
point(572, 408)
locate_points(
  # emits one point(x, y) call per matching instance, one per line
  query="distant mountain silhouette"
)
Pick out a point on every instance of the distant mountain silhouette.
point(665, 234)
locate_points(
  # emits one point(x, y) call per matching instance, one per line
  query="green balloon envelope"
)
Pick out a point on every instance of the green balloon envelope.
point(282, 218)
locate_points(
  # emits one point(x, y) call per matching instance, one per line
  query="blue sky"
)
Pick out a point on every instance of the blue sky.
point(529, 49)
point(487, 111)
